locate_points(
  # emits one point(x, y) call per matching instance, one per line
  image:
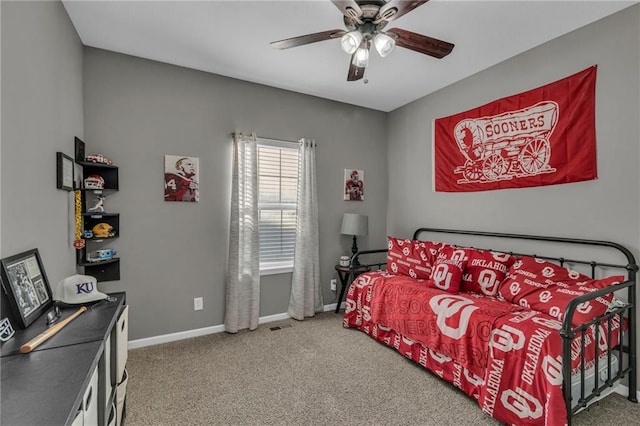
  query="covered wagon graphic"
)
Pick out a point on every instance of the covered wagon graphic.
point(507, 145)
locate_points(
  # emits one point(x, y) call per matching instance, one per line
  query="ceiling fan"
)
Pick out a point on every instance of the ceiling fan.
point(365, 21)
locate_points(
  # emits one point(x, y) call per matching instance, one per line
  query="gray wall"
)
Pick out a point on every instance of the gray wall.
point(137, 110)
point(605, 208)
point(41, 113)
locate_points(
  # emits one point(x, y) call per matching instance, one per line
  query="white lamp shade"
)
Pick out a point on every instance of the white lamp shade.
point(361, 58)
point(384, 44)
point(355, 224)
point(351, 41)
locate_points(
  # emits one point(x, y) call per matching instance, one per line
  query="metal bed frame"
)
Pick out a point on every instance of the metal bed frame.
point(569, 333)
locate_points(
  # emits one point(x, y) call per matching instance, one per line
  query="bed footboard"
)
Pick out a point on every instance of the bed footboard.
point(603, 329)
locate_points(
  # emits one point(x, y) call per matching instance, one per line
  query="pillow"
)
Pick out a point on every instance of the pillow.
point(448, 270)
point(554, 299)
point(485, 271)
point(529, 274)
point(411, 257)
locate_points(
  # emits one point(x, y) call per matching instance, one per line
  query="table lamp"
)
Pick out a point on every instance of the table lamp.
point(355, 224)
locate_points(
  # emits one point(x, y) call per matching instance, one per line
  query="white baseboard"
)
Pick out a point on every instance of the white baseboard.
point(332, 307)
point(166, 338)
point(624, 391)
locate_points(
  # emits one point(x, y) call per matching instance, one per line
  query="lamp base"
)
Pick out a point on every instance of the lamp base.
point(354, 250)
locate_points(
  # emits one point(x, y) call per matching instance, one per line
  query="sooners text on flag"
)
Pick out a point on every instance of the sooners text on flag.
point(545, 136)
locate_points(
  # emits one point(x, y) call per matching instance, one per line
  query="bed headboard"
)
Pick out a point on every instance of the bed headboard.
point(630, 266)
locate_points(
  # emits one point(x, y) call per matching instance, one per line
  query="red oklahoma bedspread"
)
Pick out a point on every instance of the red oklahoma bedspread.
point(507, 357)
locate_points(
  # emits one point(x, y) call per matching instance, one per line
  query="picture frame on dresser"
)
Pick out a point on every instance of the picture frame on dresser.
point(25, 283)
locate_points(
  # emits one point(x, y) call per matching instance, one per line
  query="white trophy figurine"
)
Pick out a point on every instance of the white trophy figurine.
point(99, 206)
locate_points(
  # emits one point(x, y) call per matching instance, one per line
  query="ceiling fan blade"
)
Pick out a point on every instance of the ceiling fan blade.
point(396, 8)
point(306, 39)
point(421, 43)
point(349, 8)
point(355, 73)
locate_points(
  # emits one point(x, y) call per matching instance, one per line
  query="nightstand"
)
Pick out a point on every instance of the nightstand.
point(344, 272)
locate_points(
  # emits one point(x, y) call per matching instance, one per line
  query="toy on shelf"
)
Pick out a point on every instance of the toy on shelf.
point(102, 254)
point(103, 230)
point(99, 206)
point(94, 182)
point(98, 158)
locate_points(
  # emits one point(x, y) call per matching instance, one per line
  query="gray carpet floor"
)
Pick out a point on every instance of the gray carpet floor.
point(311, 372)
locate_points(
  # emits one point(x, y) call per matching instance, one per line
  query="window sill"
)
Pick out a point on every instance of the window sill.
point(275, 271)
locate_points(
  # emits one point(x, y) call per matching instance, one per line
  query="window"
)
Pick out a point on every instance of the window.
point(277, 193)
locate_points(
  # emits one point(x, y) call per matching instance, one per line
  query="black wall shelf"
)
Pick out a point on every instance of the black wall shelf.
point(107, 269)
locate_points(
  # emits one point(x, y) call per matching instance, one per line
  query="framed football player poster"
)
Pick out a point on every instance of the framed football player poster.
point(26, 286)
point(353, 185)
point(181, 176)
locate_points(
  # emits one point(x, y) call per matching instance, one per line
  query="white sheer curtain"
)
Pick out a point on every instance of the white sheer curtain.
point(243, 267)
point(306, 294)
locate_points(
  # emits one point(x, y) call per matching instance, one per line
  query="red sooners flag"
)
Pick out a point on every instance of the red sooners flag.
point(545, 136)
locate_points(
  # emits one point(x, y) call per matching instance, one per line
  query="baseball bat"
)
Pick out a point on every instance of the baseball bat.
point(42, 337)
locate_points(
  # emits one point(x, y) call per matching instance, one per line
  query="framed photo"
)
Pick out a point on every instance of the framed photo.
point(65, 168)
point(77, 176)
point(26, 285)
point(181, 176)
point(353, 185)
point(79, 149)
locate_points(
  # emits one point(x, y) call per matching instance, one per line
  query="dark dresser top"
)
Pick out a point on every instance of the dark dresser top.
point(45, 386)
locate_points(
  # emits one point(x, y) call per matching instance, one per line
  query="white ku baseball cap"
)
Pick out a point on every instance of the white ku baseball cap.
point(78, 289)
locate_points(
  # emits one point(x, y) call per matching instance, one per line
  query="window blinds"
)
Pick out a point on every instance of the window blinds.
point(277, 193)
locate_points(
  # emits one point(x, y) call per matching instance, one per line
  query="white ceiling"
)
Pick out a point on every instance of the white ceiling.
point(232, 38)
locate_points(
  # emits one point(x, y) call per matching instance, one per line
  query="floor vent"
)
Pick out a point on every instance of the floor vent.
point(279, 327)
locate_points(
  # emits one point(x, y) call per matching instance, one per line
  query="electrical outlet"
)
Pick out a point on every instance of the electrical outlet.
point(334, 285)
point(197, 304)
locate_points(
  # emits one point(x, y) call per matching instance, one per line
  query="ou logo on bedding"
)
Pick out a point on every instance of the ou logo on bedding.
point(438, 357)
point(552, 368)
point(488, 281)
point(545, 296)
point(547, 272)
point(458, 256)
point(507, 338)
point(584, 308)
point(441, 276)
point(521, 403)
point(555, 312)
point(472, 378)
point(451, 305)
point(514, 288)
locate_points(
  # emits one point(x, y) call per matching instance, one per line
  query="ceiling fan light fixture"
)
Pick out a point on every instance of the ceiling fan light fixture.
point(351, 41)
point(384, 43)
point(361, 58)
